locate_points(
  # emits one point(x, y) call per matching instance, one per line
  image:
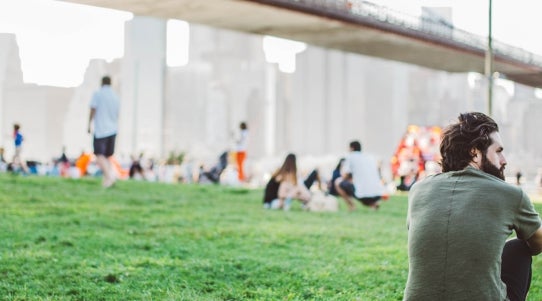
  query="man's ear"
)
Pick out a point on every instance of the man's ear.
point(476, 155)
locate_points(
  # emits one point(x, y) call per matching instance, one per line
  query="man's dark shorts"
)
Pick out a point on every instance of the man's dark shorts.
point(348, 187)
point(104, 146)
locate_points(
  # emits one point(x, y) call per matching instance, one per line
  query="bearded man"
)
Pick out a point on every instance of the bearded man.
point(460, 222)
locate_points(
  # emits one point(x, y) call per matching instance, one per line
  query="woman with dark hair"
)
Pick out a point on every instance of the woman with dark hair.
point(284, 186)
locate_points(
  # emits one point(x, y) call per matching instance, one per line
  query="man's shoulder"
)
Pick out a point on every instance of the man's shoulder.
point(96, 94)
point(471, 176)
point(477, 175)
point(360, 156)
point(429, 180)
point(105, 90)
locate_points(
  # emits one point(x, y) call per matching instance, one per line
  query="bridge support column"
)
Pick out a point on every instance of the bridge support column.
point(142, 92)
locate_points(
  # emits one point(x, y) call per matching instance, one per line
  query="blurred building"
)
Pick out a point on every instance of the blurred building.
point(332, 97)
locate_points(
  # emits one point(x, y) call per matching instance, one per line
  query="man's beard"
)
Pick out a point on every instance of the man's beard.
point(491, 169)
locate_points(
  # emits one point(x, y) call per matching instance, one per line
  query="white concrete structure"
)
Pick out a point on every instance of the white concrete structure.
point(354, 26)
point(38, 109)
point(332, 97)
point(142, 87)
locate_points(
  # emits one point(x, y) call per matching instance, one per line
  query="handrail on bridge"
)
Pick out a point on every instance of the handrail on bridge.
point(435, 28)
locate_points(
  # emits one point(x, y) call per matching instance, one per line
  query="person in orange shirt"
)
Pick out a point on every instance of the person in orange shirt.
point(82, 162)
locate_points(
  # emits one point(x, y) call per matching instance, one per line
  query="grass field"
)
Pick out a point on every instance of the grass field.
point(72, 240)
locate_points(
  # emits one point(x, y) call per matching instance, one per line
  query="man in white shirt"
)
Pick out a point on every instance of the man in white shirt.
point(360, 179)
point(104, 110)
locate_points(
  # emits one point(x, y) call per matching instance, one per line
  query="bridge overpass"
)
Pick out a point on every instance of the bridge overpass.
point(350, 25)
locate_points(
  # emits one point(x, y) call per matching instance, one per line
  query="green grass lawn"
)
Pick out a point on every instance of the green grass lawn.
point(72, 240)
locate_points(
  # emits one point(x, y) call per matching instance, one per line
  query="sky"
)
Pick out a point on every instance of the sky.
point(57, 39)
point(513, 22)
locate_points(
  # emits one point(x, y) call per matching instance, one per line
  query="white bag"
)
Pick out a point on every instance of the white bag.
point(321, 202)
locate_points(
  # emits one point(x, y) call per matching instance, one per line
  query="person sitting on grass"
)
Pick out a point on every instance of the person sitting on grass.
point(284, 186)
point(361, 179)
point(334, 176)
point(460, 222)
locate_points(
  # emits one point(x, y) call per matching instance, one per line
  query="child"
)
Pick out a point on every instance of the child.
point(18, 140)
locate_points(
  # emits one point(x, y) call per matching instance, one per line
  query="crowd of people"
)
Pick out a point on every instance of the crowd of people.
point(357, 176)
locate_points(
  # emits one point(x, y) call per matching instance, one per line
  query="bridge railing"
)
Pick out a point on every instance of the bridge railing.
point(430, 27)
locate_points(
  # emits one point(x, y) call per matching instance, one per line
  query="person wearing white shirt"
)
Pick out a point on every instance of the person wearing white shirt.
point(241, 150)
point(360, 179)
point(104, 111)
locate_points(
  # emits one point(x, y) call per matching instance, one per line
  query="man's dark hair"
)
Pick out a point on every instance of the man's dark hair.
point(355, 146)
point(106, 80)
point(470, 132)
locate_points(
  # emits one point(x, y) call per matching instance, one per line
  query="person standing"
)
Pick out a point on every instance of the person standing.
point(241, 149)
point(360, 179)
point(18, 143)
point(459, 222)
point(18, 139)
point(104, 111)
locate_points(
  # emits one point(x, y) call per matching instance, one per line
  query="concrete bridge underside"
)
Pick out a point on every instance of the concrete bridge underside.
point(321, 27)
